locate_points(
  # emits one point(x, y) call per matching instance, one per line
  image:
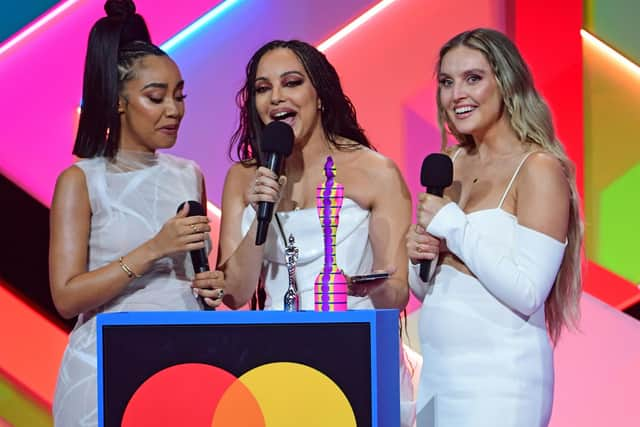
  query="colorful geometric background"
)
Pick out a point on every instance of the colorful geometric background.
point(612, 149)
point(384, 52)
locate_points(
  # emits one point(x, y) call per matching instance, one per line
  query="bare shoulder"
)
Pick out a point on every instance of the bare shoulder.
point(384, 181)
point(542, 165)
point(543, 170)
point(238, 177)
point(377, 166)
point(240, 174)
point(72, 178)
point(71, 191)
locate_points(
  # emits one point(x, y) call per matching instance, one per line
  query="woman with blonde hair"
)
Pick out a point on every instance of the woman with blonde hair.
point(507, 235)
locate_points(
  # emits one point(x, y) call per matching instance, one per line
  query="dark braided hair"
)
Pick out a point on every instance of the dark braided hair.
point(338, 115)
point(116, 42)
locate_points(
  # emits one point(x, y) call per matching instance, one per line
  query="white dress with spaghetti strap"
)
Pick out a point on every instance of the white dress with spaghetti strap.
point(354, 256)
point(128, 207)
point(485, 363)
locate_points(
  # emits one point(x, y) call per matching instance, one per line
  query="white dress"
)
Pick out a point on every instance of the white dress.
point(353, 250)
point(485, 363)
point(354, 256)
point(130, 201)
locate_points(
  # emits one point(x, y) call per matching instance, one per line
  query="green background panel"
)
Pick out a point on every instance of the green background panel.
point(616, 23)
point(619, 230)
point(611, 133)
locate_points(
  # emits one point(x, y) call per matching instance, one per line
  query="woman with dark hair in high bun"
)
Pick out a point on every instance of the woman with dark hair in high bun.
point(508, 236)
point(293, 82)
point(116, 241)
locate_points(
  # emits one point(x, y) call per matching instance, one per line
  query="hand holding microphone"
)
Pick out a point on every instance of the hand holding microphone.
point(208, 284)
point(436, 175)
point(266, 187)
point(277, 144)
point(184, 232)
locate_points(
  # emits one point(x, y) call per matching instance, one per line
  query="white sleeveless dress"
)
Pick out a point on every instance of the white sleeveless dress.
point(485, 364)
point(354, 256)
point(128, 208)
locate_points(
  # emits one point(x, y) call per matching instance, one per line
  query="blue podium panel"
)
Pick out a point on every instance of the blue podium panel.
point(265, 360)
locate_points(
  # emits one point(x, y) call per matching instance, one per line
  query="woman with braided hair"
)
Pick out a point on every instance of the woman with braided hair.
point(116, 242)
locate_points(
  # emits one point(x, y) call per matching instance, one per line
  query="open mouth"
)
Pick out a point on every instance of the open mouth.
point(286, 116)
point(464, 111)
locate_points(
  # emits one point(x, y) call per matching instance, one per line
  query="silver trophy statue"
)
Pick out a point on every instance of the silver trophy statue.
point(291, 295)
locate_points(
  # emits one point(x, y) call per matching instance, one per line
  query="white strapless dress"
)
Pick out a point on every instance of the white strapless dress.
point(353, 250)
point(355, 256)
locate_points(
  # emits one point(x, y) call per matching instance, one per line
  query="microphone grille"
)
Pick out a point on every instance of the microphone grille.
point(437, 171)
point(195, 208)
point(277, 137)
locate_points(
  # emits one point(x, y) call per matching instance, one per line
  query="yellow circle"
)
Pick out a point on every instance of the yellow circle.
point(292, 394)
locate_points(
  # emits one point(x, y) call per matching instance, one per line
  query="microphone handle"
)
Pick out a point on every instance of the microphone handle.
point(200, 265)
point(265, 209)
point(425, 264)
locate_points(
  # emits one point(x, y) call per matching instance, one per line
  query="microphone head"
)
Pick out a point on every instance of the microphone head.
point(195, 208)
point(437, 171)
point(277, 137)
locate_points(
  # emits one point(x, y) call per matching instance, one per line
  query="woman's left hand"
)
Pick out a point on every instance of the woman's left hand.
point(428, 207)
point(210, 286)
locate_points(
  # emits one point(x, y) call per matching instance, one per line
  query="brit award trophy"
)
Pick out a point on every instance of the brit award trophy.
point(331, 285)
point(291, 301)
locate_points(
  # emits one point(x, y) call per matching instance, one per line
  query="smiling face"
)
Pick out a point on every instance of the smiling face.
point(151, 105)
point(283, 91)
point(469, 92)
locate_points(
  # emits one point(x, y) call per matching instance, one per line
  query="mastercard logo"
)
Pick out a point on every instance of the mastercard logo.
point(274, 394)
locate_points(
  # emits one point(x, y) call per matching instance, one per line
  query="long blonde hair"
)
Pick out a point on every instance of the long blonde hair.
point(530, 118)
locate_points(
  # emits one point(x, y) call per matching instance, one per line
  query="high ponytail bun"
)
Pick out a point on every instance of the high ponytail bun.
point(119, 8)
point(133, 27)
point(116, 42)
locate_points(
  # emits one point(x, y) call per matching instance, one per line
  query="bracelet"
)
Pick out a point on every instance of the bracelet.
point(127, 270)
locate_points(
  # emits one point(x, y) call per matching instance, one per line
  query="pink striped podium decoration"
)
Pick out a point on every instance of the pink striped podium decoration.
point(331, 285)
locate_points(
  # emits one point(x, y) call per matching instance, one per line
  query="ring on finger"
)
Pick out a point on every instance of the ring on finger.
point(194, 228)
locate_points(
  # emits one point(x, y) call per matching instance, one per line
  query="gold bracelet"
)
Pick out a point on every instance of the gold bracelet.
point(127, 270)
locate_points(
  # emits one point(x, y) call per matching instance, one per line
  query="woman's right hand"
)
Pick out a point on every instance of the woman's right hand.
point(421, 245)
point(180, 234)
point(266, 187)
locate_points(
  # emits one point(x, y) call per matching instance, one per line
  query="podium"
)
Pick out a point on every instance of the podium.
point(248, 368)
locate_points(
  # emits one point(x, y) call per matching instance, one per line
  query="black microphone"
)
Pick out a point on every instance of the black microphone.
point(277, 144)
point(436, 175)
point(199, 257)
